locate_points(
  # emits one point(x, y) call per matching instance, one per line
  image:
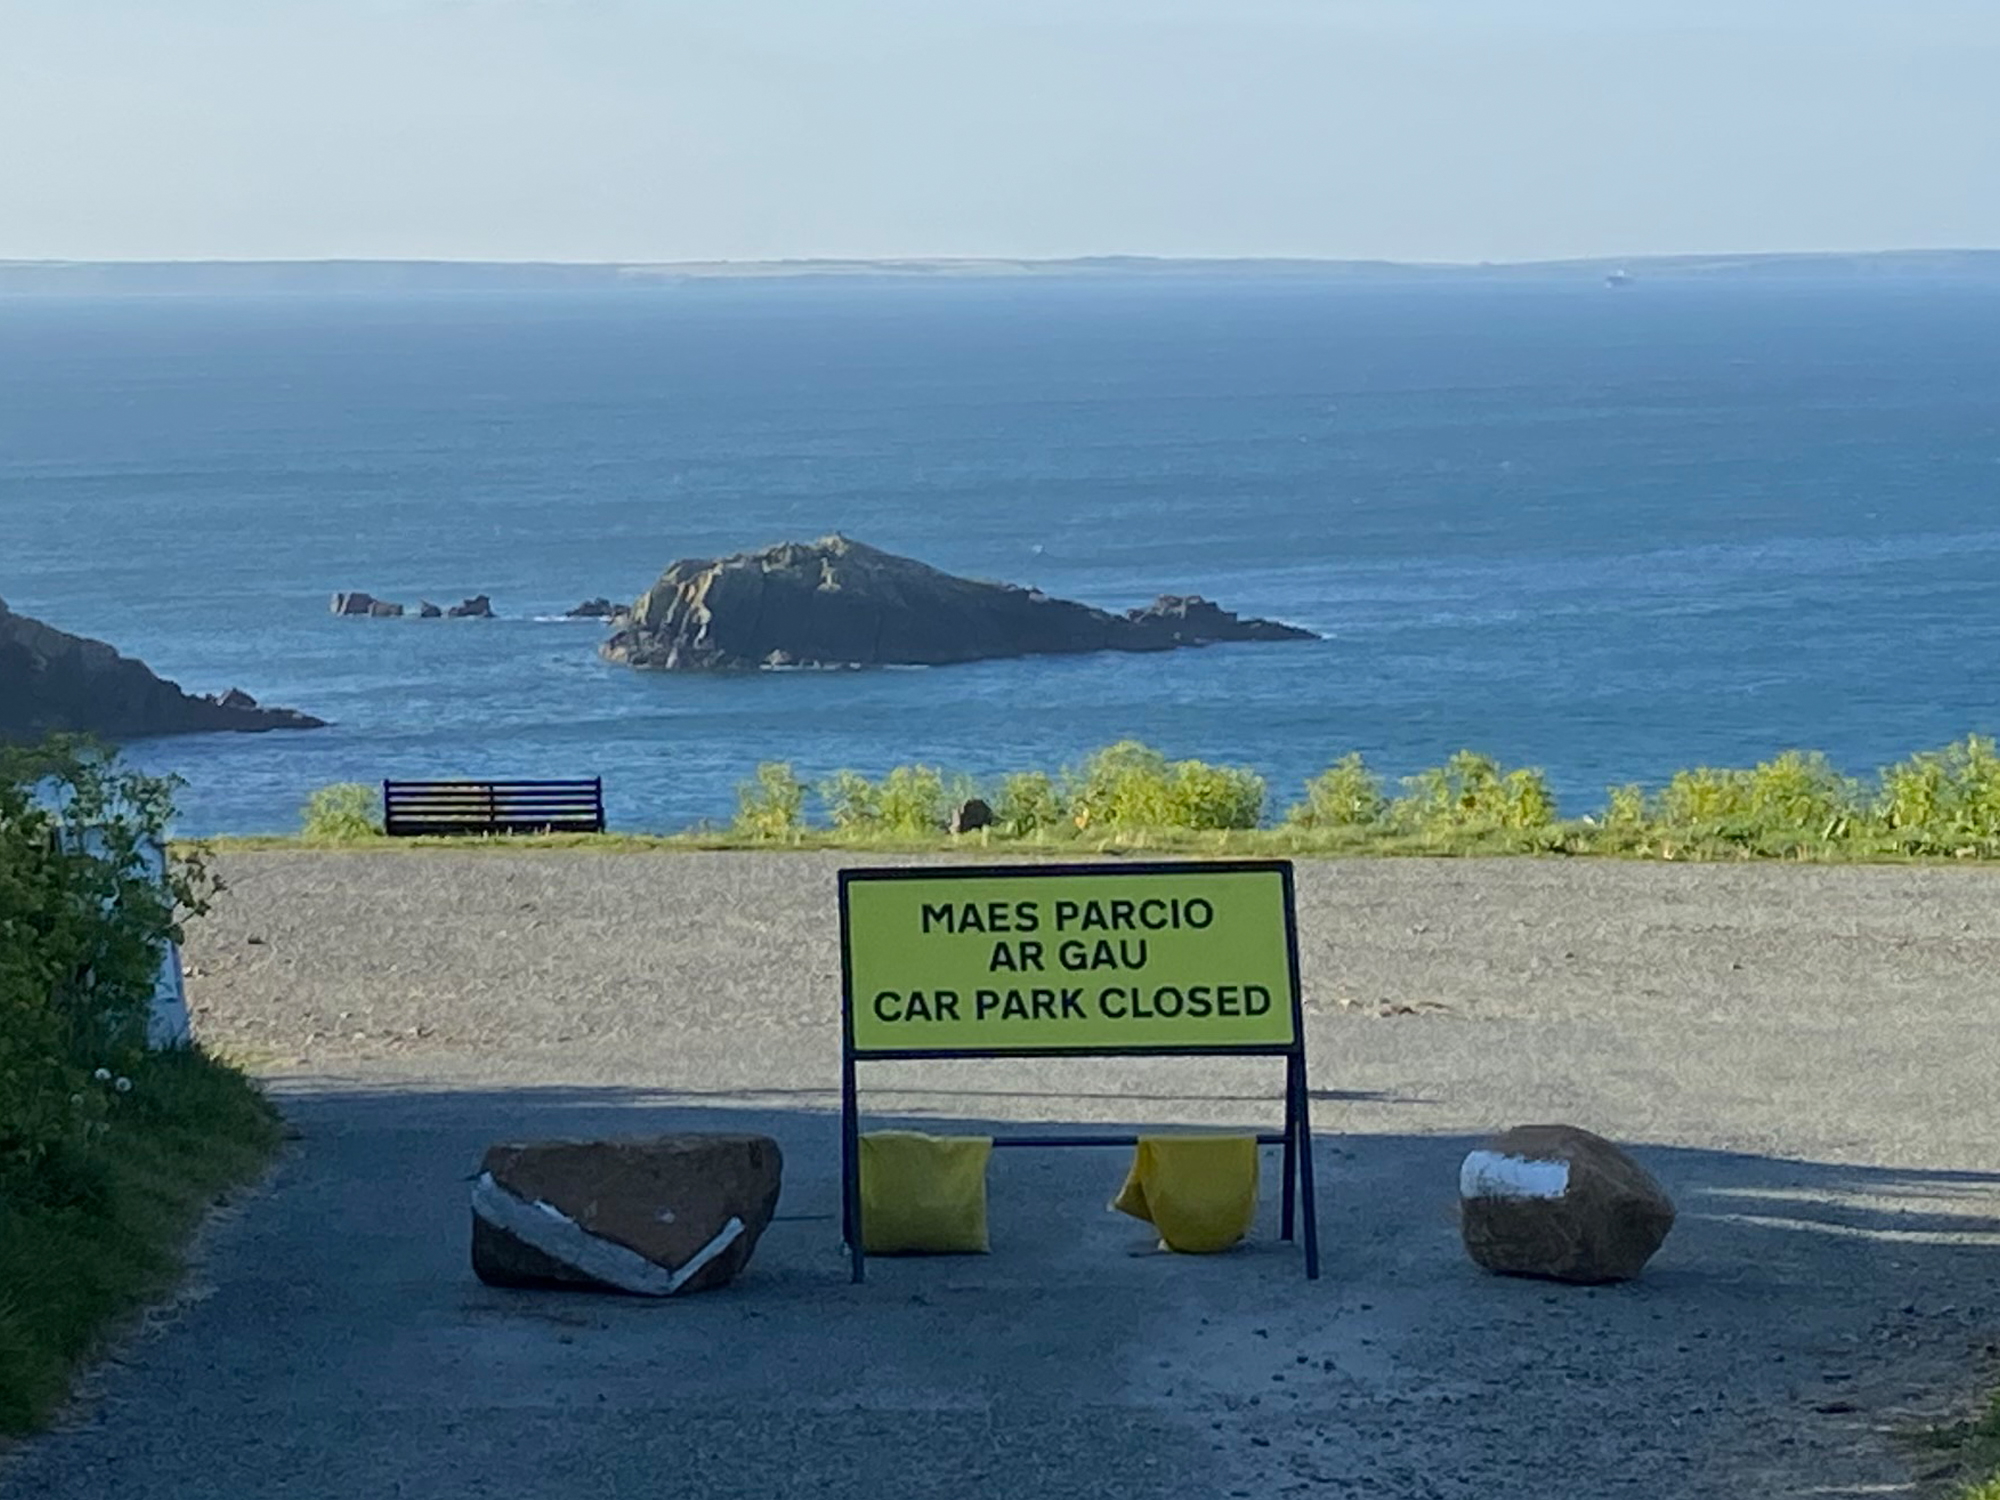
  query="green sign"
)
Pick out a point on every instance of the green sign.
point(1097, 959)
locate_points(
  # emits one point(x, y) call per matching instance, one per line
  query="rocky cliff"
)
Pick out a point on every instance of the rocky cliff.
point(51, 682)
point(837, 602)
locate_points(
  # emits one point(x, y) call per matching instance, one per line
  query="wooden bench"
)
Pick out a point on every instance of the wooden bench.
point(412, 808)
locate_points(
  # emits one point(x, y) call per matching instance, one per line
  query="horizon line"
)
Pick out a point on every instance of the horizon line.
point(1095, 258)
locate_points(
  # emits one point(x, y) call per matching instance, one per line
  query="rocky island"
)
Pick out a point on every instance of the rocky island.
point(54, 683)
point(836, 602)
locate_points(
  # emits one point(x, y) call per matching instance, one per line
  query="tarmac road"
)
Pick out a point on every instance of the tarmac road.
point(1804, 1056)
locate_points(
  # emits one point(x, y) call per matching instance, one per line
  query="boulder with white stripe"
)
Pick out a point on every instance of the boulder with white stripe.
point(653, 1217)
point(1559, 1202)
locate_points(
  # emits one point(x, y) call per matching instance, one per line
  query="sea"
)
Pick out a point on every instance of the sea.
point(1604, 530)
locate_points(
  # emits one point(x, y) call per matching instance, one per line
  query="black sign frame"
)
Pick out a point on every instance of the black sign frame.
point(1298, 1198)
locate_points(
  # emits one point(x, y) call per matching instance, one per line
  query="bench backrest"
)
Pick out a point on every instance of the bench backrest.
point(418, 807)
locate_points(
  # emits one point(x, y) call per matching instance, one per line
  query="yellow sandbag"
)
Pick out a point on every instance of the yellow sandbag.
point(923, 1194)
point(1199, 1191)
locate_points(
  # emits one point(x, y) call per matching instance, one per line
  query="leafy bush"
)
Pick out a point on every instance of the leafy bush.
point(1798, 795)
point(909, 802)
point(1121, 786)
point(1942, 801)
point(1803, 791)
point(1345, 795)
point(853, 803)
point(344, 813)
point(1626, 806)
point(1203, 796)
point(1471, 791)
point(1132, 787)
point(1030, 804)
point(108, 1152)
point(1705, 797)
point(84, 911)
point(771, 805)
point(912, 800)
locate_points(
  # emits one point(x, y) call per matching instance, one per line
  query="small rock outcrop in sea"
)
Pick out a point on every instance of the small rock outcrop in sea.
point(837, 602)
point(478, 607)
point(55, 683)
point(1190, 620)
point(601, 609)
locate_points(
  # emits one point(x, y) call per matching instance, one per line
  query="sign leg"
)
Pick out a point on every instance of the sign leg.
point(1286, 1217)
point(1307, 1207)
point(850, 1169)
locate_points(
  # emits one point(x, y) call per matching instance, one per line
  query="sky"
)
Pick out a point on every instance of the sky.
point(647, 130)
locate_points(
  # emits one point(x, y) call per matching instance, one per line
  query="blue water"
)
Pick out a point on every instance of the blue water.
point(1605, 532)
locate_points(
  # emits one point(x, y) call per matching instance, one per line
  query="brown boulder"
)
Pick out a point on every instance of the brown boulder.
point(653, 1217)
point(1559, 1202)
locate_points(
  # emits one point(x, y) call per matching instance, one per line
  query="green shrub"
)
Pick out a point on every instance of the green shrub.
point(1121, 786)
point(108, 1152)
point(1472, 792)
point(909, 802)
point(1626, 806)
point(852, 801)
point(912, 800)
point(83, 915)
point(771, 805)
point(1798, 795)
point(1030, 805)
point(1942, 801)
point(1345, 795)
point(1530, 803)
point(344, 813)
point(1203, 796)
point(1130, 787)
point(1803, 792)
point(1705, 797)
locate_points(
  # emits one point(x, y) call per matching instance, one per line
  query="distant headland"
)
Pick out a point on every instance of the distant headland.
point(310, 277)
point(52, 682)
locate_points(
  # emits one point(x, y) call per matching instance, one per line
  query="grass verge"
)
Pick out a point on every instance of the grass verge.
point(1936, 805)
point(1577, 838)
point(94, 1230)
point(1965, 1455)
